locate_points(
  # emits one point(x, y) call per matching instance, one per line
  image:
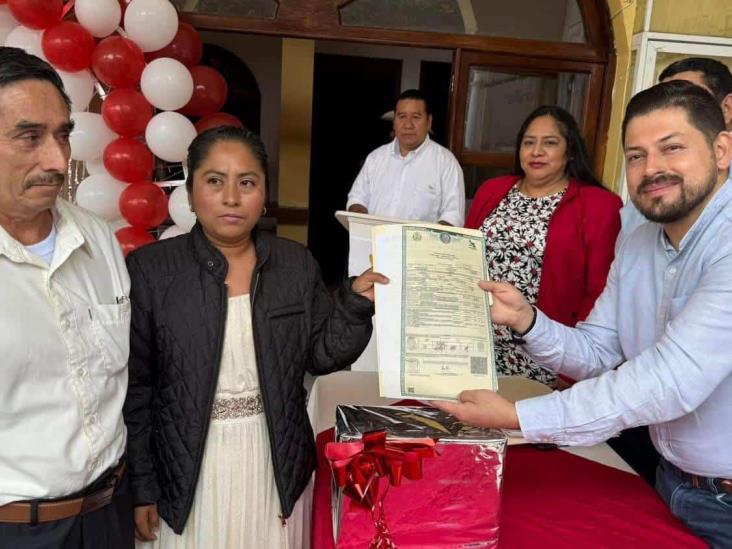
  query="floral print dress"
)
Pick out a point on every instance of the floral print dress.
point(515, 241)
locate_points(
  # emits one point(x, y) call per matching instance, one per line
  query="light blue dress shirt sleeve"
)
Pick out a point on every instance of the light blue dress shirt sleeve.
point(671, 377)
point(587, 351)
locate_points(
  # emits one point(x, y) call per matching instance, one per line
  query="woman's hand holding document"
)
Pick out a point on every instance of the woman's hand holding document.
point(433, 326)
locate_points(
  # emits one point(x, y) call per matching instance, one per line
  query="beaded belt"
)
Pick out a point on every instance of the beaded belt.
point(230, 408)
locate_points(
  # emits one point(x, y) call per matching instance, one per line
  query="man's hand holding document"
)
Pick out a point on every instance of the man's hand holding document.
point(433, 327)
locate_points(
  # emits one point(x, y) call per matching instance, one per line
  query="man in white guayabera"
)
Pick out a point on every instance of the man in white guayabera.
point(412, 177)
point(64, 334)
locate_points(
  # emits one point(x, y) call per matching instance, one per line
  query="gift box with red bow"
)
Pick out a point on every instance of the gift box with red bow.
point(413, 477)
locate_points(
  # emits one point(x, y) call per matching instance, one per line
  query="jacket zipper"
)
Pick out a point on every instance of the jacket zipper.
point(265, 400)
point(209, 405)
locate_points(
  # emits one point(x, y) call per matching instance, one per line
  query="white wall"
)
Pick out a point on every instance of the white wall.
point(263, 56)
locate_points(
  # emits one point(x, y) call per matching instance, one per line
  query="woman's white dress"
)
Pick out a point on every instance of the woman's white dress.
point(236, 504)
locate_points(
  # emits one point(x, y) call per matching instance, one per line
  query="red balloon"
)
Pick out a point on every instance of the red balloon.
point(68, 46)
point(127, 112)
point(128, 160)
point(209, 92)
point(217, 119)
point(143, 205)
point(131, 238)
point(118, 62)
point(37, 14)
point(186, 46)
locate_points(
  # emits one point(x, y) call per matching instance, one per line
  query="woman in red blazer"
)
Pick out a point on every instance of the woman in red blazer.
point(550, 229)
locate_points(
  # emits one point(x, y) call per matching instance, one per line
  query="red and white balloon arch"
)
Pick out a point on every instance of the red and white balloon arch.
point(145, 65)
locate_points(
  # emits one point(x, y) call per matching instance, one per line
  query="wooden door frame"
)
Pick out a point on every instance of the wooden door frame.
point(589, 123)
point(319, 20)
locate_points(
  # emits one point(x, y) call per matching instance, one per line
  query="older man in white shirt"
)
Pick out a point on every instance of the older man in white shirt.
point(64, 334)
point(412, 177)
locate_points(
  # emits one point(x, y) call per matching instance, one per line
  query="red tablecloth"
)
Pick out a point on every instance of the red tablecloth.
point(554, 499)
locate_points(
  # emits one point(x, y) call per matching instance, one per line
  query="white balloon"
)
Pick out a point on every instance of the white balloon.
point(168, 135)
point(99, 17)
point(100, 194)
point(90, 136)
point(180, 210)
point(80, 88)
point(167, 84)
point(170, 232)
point(7, 23)
point(118, 224)
point(96, 166)
point(151, 24)
point(26, 39)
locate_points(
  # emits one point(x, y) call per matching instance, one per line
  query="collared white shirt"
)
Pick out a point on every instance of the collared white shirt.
point(64, 335)
point(666, 317)
point(425, 185)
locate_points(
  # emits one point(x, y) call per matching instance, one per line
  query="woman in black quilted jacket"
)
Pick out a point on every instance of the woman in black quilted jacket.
point(225, 322)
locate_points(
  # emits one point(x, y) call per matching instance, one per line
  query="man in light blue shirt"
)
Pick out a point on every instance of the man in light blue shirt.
point(712, 75)
point(654, 350)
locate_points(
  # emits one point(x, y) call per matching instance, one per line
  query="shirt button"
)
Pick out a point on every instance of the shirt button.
point(210, 264)
point(672, 271)
point(93, 419)
point(80, 372)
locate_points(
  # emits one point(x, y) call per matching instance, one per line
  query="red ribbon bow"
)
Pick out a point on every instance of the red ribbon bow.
point(357, 467)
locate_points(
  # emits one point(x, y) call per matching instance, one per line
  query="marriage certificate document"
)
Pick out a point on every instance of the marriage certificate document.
point(433, 328)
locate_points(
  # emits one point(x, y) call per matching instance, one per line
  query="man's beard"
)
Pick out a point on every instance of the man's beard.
point(689, 198)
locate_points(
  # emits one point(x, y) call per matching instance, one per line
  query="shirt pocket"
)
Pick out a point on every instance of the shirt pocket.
point(111, 328)
point(429, 188)
point(427, 199)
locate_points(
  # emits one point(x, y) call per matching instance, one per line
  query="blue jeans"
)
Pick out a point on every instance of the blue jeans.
point(706, 510)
